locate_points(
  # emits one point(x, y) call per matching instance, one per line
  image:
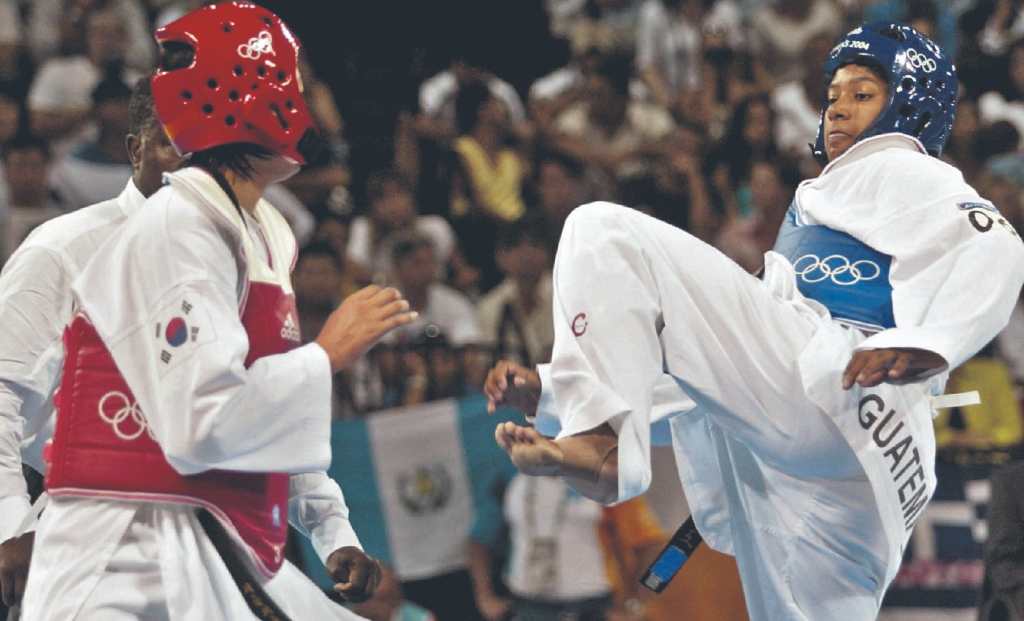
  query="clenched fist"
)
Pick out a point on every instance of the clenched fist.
point(356, 575)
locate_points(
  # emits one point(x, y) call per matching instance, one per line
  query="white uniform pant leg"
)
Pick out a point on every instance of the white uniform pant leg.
point(635, 297)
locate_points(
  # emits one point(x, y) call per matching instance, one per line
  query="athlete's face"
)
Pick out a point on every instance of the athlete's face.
point(151, 154)
point(856, 97)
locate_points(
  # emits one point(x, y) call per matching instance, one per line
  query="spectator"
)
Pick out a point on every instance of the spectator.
point(414, 267)
point(668, 51)
point(432, 369)
point(564, 558)
point(797, 106)
point(781, 31)
point(59, 101)
point(333, 229)
point(746, 239)
point(995, 422)
point(681, 195)
point(97, 170)
point(749, 139)
point(515, 317)
point(54, 25)
point(1004, 548)
point(610, 131)
point(490, 173)
point(437, 118)
point(1003, 183)
point(1007, 104)
point(316, 181)
point(488, 178)
point(11, 120)
point(556, 91)
point(1005, 24)
point(29, 202)
point(561, 187)
point(614, 21)
point(933, 18)
point(318, 281)
point(392, 211)
point(15, 69)
point(959, 149)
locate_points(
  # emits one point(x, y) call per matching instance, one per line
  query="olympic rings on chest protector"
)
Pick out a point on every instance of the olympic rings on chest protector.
point(837, 268)
point(120, 410)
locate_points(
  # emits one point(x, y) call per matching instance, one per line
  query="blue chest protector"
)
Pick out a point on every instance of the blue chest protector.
point(846, 275)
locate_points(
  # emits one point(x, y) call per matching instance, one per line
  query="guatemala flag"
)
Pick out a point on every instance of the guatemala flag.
point(412, 479)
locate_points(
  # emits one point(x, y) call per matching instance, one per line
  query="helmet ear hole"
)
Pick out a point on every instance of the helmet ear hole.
point(907, 83)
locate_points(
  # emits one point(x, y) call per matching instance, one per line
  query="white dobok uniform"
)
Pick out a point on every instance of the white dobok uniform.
point(814, 489)
point(104, 559)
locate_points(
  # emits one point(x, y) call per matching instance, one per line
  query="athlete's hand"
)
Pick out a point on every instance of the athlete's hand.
point(356, 575)
point(360, 321)
point(15, 554)
point(871, 367)
point(531, 452)
point(513, 385)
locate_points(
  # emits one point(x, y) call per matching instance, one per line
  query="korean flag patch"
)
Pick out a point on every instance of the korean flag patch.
point(179, 330)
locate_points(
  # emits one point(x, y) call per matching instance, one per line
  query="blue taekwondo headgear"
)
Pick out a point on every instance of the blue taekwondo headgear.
point(922, 83)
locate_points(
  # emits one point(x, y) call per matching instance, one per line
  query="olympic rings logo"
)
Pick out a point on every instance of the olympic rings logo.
point(121, 412)
point(920, 61)
point(835, 267)
point(257, 46)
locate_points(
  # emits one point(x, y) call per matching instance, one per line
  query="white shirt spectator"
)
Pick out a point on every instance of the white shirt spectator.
point(555, 550)
point(992, 107)
point(780, 42)
point(378, 260)
point(437, 96)
point(536, 329)
point(44, 30)
point(796, 118)
point(669, 43)
point(447, 309)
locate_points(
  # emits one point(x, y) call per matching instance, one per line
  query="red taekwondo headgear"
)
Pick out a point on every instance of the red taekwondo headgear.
point(243, 85)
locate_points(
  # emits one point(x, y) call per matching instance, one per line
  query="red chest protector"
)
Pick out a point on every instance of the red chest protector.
point(103, 448)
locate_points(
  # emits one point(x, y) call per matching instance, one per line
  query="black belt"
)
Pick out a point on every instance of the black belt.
point(252, 592)
point(677, 551)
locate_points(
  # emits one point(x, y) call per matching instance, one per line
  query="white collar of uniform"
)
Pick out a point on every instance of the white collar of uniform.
point(202, 183)
point(874, 144)
point(130, 199)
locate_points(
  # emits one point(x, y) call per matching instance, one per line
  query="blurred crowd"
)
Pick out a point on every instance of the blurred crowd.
point(697, 112)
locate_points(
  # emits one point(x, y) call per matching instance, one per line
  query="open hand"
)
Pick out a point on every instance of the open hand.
point(356, 575)
point(513, 385)
point(360, 321)
point(531, 452)
point(871, 367)
point(15, 554)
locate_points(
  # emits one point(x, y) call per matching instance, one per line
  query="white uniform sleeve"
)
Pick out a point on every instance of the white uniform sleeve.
point(14, 500)
point(956, 274)
point(317, 509)
point(669, 399)
point(34, 300)
point(204, 408)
